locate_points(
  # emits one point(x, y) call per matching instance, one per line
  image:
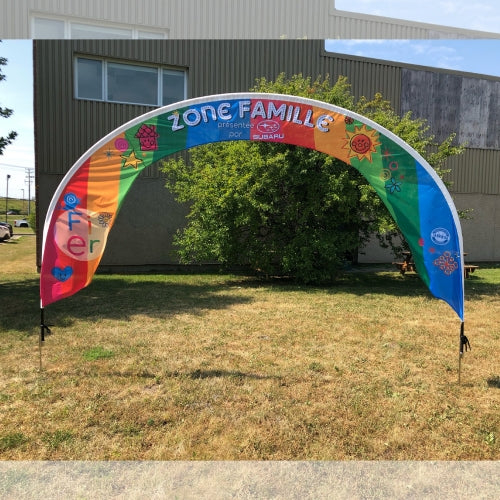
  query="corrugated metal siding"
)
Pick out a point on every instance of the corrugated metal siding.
point(233, 66)
point(228, 19)
point(476, 171)
point(183, 19)
point(249, 20)
point(147, 13)
point(351, 26)
point(366, 77)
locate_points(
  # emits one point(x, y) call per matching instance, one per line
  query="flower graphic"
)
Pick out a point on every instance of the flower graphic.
point(71, 201)
point(446, 263)
point(104, 218)
point(392, 186)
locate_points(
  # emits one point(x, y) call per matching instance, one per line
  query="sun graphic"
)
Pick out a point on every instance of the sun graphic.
point(361, 143)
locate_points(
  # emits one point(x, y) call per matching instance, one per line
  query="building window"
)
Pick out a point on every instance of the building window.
point(173, 85)
point(62, 28)
point(82, 31)
point(111, 81)
point(89, 79)
point(48, 28)
point(141, 84)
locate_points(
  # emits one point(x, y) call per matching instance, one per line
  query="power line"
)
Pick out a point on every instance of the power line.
point(14, 166)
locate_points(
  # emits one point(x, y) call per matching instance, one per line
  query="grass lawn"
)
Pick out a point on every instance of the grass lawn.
point(226, 367)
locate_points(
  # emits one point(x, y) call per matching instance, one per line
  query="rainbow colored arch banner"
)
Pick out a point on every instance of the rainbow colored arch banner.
point(86, 203)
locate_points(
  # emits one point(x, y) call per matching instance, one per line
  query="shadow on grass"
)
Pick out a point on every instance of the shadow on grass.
point(201, 374)
point(20, 303)
point(360, 284)
point(113, 297)
point(477, 287)
point(197, 374)
point(388, 282)
point(121, 297)
point(494, 382)
point(11, 241)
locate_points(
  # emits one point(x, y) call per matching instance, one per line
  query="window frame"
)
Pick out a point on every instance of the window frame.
point(136, 31)
point(159, 69)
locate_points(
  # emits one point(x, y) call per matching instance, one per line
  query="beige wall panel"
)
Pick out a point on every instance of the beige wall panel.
point(482, 231)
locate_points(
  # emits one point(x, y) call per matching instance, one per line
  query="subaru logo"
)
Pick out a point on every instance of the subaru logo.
point(268, 126)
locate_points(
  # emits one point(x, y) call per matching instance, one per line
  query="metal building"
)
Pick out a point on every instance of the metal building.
point(203, 19)
point(70, 117)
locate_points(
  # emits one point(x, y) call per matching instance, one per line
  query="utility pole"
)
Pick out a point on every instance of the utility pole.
point(7, 198)
point(28, 181)
point(23, 198)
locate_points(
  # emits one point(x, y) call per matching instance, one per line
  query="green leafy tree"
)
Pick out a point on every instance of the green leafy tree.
point(5, 113)
point(283, 209)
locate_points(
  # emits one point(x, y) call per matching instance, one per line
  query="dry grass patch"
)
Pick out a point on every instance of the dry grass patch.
point(228, 367)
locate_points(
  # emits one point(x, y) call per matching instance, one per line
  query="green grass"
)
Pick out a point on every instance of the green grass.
point(22, 207)
point(217, 367)
point(96, 353)
point(12, 440)
point(15, 204)
point(56, 439)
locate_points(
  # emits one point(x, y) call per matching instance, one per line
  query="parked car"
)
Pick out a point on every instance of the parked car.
point(8, 226)
point(21, 223)
point(4, 232)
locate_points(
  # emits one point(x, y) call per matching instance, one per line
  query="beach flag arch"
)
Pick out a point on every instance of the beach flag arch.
point(86, 203)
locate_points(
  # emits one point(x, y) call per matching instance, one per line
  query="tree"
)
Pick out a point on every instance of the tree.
point(283, 209)
point(5, 113)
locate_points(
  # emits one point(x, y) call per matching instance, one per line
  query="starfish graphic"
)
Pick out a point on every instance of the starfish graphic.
point(131, 161)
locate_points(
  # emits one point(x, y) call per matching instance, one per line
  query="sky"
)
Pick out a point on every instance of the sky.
point(475, 56)
point(16, 92)
point(480, 15)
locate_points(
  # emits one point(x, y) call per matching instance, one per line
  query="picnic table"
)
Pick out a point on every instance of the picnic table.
point(409, 265)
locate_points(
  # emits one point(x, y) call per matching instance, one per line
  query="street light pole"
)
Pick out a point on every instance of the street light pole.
point(7, 198)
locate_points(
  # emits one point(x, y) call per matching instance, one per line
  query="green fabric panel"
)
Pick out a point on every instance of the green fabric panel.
point(162, 142)
point(392, 173)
